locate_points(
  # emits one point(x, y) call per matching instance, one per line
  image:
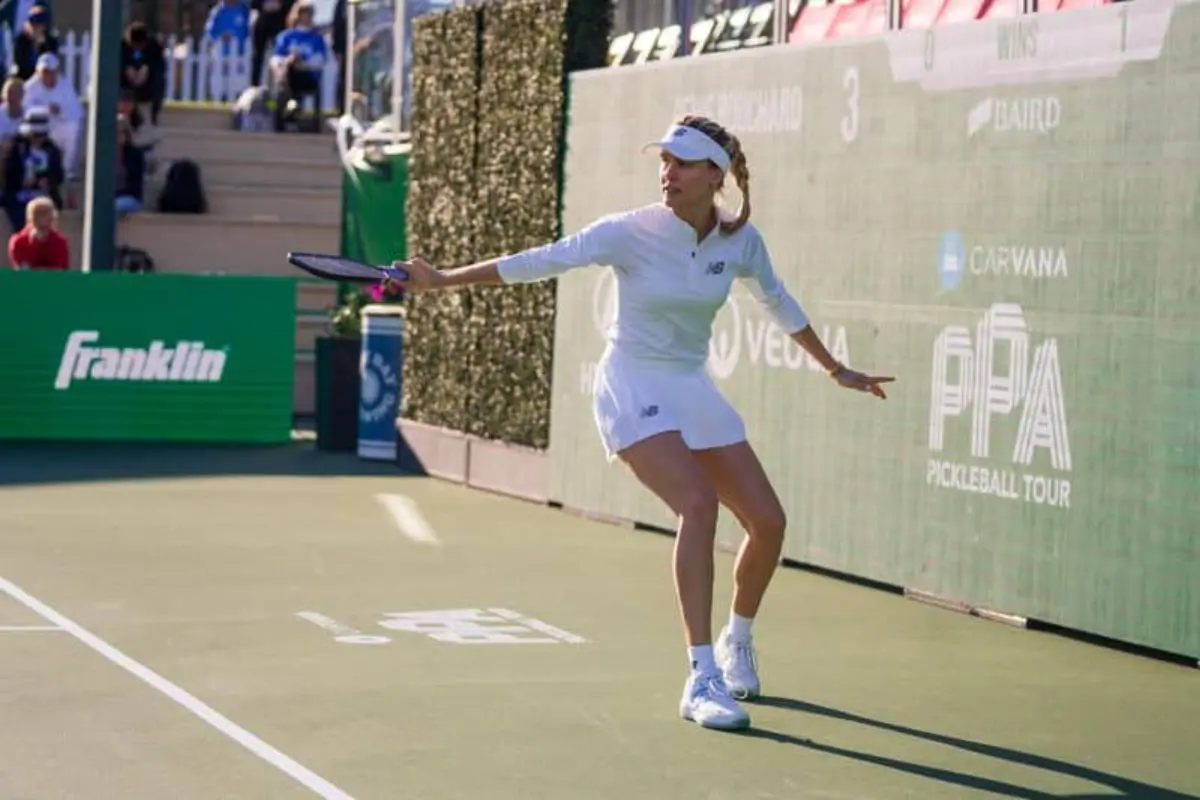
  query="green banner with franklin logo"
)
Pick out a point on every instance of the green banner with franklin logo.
point(1001, 214)
point(124, 357)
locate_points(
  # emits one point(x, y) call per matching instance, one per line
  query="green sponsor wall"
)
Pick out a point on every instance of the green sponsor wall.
point(118, 356)
point(1002, 215)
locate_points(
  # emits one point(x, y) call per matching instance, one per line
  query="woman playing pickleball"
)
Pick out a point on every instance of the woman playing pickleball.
point(655, 405)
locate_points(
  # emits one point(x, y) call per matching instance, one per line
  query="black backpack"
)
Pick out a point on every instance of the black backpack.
point(183, 193)
point(134, 259)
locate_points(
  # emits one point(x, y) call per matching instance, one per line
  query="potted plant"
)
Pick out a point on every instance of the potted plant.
point(337, 373)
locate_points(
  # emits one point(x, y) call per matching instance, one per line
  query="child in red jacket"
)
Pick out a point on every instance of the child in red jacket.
point(39, 245)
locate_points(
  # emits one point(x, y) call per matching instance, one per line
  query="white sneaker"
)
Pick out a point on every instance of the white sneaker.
point(739, 664)
point(707, 702)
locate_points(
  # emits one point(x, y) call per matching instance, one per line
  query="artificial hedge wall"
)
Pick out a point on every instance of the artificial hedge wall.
point(489, 100)
point(440, 212)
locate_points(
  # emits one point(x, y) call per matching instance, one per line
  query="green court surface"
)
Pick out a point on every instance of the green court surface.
point(203, 623)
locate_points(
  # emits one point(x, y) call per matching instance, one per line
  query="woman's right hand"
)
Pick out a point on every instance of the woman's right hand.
point(421, 276)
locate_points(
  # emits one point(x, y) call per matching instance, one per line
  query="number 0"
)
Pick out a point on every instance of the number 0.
point(850, 120)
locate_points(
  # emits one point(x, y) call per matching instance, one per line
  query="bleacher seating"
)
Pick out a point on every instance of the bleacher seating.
point(749, 26)
point(753, 25)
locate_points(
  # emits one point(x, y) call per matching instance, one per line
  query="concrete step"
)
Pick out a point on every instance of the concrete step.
point(203, 116)
point(314, 296)
point(212, 244)
point(201, 145)
point(223, 245)
point(308, 328)
point(197, 116)
point(304, 391)
point(291, 172)
point(300, 205)
point(209, 244)
point(288, 204)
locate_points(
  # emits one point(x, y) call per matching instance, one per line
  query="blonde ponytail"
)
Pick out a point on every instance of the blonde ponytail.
point(741, 176)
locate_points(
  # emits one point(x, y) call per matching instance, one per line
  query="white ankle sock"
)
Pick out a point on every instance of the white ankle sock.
point(739, 627)
point(701, 659)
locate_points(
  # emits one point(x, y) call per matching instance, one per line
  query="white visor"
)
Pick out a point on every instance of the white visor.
point(689, 144)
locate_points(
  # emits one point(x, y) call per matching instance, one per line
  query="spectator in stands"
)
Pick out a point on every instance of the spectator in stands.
point(39, 245)
point(131, 170)
point(144, 69)
point(226, 33)
point(145, 136)
point(34, 40)
point(127, 107)
point(338, 36)
point(298, 62)
point(33, 167)
point(45, 90)
point(12, 114)
point(270, 19)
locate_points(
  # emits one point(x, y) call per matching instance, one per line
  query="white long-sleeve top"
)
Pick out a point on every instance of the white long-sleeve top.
point(63, 94)
point(669, 285)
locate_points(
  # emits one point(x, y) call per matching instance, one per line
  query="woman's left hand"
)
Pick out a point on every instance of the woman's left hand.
point(850, 379)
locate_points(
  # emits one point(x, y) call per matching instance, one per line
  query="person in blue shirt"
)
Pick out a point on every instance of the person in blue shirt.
point(298, 63)
point(226, 33)
point(228, 27)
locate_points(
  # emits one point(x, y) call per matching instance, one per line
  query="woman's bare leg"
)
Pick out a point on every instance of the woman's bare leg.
point(742, 485)
point(665, 465)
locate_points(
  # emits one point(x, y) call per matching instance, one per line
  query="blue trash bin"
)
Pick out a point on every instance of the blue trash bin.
point(379, 370)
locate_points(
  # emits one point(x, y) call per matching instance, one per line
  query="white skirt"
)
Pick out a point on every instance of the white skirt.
point(633, 400)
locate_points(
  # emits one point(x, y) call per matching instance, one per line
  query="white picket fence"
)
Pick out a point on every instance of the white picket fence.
point(197, 70)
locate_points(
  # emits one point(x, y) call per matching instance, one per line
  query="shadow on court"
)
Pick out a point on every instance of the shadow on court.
point(23, 463)
point(995, 788)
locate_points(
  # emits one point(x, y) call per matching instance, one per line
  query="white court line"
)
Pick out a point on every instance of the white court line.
point(538, 625)
point(240, 735)
point(28, 628)
point(408, 518)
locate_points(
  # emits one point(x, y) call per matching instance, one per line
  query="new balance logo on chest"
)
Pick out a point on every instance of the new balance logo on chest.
point(715, 268)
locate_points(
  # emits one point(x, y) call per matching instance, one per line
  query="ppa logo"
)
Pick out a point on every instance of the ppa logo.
point(997, 412)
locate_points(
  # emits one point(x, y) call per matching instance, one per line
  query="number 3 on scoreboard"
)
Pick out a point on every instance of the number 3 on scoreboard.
point(850, 120)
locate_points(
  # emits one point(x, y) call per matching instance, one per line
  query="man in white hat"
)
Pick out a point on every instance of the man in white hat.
point(33, 167)
point(47, 89)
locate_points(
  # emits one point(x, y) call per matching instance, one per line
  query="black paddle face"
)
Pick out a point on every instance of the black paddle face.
point(340, 268)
